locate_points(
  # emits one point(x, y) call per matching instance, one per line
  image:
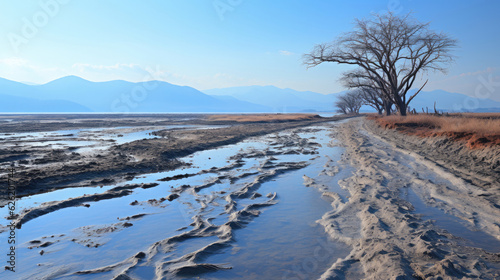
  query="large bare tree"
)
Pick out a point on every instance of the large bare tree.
point(390, 50)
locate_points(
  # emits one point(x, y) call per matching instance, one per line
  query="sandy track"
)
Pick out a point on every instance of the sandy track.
point(480, 167)
point(388, 238)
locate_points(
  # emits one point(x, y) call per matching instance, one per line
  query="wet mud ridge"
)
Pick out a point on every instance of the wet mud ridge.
point(386, 219)
point(238, 214)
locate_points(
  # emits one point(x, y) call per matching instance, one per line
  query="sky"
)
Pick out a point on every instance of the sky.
point(223, 43)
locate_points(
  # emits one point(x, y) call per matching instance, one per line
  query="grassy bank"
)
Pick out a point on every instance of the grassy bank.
point(477, 130)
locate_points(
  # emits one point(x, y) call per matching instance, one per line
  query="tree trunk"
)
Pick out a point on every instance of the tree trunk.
point(402, 109)
point(400, 104)
point(387, 107)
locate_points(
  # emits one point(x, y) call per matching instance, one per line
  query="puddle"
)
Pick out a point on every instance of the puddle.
point(452, 224)
point(86, 139)
point(284, 242)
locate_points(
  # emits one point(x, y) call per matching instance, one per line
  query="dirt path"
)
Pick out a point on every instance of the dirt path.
point(479, 166)
point(389, 238)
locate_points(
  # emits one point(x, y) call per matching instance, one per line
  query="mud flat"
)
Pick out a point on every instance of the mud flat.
point(76, 150)
point(258, 199)
point(387, 220)
point(242, 210)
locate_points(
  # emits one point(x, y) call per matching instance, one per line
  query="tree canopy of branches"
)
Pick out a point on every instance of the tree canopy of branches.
point(372, 98)
point(350, 103)
point(390, 52)
point(372, 95)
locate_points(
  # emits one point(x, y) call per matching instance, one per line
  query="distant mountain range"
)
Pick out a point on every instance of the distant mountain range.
point(15, 104)
point(280, 100)
point(81, 95)
point(74, 94)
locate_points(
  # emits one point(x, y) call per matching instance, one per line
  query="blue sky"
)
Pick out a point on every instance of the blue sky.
point(220, 43)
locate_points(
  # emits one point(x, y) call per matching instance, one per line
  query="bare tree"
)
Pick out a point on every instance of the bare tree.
point(350, 103)
point(372, 98)
point(391, 51)
point(341, 106)
point(372, 94)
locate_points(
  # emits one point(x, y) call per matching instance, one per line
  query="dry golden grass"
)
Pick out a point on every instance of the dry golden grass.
point(478, 130)
point(478, 115)
point(467, 124)
point(262, 117)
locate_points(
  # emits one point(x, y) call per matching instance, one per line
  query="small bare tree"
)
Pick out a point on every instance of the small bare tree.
point(391, 51)
point(372, 92)
point(341, 107)
point(372, 98)
point(350, 103)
